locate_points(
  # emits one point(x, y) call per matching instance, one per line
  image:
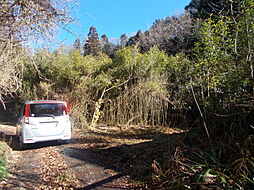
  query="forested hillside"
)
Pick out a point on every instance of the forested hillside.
point(193, 71)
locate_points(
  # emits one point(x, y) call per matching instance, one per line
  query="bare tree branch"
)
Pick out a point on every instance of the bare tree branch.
point(20, 21)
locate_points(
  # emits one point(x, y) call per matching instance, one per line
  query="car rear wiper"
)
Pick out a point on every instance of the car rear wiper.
point(47, 115)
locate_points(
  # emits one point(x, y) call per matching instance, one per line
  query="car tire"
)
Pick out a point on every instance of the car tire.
point(15, 142)
point(22, 146)
point(68, 141)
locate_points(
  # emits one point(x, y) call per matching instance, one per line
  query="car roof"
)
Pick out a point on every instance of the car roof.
point(45, 101)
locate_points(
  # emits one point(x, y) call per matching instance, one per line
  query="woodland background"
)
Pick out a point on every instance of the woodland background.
point(192, 71)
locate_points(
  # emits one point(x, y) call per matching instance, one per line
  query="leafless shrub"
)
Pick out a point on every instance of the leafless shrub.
point(170, 34)
point(22, 21)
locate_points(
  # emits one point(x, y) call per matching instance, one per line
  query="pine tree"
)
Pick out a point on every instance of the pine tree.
point(92, 45)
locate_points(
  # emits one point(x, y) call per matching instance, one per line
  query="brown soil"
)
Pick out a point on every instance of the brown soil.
point(99, 158)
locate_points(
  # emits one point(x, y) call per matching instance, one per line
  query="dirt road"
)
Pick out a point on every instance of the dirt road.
point(53, 165)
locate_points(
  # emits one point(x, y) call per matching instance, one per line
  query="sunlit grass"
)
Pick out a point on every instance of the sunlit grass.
point(129, 135)
point(3, 162)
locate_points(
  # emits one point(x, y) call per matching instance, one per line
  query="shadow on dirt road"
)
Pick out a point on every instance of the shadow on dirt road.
point(100, 184)
point(25, 165)
point(92, 171)
point(120, 162)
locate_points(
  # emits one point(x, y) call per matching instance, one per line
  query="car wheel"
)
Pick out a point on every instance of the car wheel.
point(15, 142)
point(68, 141)
point(22, 146)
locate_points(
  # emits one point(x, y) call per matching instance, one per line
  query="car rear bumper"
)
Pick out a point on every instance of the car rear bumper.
point(48, 138)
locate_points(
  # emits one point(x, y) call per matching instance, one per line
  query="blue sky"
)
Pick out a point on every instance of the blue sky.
point(116, 17)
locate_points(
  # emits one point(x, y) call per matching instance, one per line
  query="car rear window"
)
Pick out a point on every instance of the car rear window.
point(47, 110)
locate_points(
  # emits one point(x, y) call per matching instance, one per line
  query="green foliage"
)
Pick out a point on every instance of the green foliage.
point(214, 53)
point(3, 169)
point(245, 39)
point(180, 70)
point(220, 68)
point(65, 75)
point(107, 47)
point(3, 162)
point(84, 80)
point(137, 79)
point(126, 62)
point(92, 45)
point(130, 63)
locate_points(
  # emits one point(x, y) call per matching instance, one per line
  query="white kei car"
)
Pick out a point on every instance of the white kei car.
point(43, 120)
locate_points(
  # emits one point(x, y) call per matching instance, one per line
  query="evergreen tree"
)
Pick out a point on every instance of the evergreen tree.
point(135, 39)
point(92, 45)
point(106, 46)
point(104, 39)
point(77, 45)
point(123, 40)
point(206, 8)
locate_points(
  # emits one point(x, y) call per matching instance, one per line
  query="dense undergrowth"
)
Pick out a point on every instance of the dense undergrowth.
point(224, 162)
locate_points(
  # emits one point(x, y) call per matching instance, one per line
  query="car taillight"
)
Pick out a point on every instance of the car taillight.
point(66, 110)
point(27, 111)
point(26, 120)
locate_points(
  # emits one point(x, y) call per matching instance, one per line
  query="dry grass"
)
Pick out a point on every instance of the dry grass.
point(7, 129)
point(160, 157)
point(130, 150)
point(130, 135)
